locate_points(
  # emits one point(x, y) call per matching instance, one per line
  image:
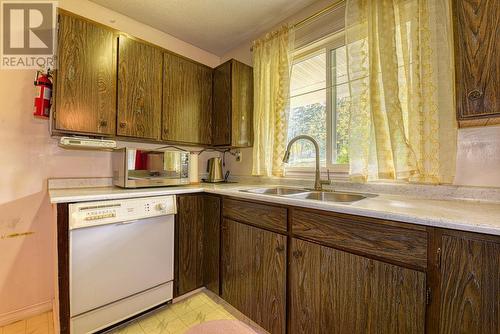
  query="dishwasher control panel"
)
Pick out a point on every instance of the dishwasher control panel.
point(119, 211)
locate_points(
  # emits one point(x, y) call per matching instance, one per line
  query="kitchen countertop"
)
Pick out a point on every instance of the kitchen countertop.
point(464, 215)
point(72, 195)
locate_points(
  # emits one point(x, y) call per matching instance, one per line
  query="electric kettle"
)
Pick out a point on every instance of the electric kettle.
point(214, 170)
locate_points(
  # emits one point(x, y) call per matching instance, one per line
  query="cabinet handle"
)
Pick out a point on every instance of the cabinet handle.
point(475, 94)
point(280, 249)
point(123, 125)
point(103, 123)
point(297, 254)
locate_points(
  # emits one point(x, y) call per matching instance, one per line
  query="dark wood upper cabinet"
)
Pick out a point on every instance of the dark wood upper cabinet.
point(86, 77)
point(111, 84)
point(477, 61)
point(254, 273)
point(233, 105)
point(242, 105)
point(332, 291)
point(470, 286)
point(187, 101)
point(139, 89)
point(221, 134)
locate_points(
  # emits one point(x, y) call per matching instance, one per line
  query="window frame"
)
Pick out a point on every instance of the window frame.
point(329, 43)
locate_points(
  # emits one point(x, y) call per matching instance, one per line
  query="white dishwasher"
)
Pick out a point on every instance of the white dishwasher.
point(121, 259)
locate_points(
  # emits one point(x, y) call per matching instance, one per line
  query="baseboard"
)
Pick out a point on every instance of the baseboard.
point(24, 313)
point(188, 294)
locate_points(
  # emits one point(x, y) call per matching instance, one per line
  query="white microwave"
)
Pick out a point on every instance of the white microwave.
point(139, 168)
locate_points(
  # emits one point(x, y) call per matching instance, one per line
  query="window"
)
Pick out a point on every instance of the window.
point(319, 106)
point(339, 105)
point(308, 109)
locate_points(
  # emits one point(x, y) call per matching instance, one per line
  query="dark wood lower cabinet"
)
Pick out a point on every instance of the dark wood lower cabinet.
point(211, 242)
point(304, 287)
point(332, 291)
point(197, 243)
point(63, 268)
point(189, 248)
point(314, 288)
point(470, 286)
point(254, 273)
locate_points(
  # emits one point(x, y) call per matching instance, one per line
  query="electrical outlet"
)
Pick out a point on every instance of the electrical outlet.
point(237, 156)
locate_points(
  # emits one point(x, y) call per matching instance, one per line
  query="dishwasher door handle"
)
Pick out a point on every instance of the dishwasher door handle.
point(126, 222)
point(133, 221)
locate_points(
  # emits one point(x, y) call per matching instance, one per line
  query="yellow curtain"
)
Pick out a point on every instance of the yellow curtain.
point(400, 61)
point(272, 61)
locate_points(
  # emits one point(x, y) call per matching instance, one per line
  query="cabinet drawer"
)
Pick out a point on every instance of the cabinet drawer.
point(266, 216)
point(372, 237)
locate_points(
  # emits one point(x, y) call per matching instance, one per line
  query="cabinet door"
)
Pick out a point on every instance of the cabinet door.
point(85, 97)
point(211, 242)
point(305, 287)
point(189, 248)
point(139, 89)
point(197, 243)
point(337, 292)
point(222, 105)
point(187, 101)
point(477, 62)
point(254, 273)
point(242, 105)
point(470, 286)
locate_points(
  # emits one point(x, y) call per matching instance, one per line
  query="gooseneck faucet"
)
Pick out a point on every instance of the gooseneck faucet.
point(286, 158)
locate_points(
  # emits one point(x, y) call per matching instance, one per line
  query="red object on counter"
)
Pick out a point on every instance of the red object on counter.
point(43, 96)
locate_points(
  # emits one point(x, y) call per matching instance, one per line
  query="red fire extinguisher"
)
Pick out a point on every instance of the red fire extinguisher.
point(43, 84)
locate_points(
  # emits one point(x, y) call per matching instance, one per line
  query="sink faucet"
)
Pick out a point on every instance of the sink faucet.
point(317, 181)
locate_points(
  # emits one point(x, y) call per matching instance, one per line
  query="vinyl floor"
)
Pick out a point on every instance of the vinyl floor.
point(201, 313)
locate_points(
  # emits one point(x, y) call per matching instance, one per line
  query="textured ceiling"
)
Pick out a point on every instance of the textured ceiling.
point(216, 26)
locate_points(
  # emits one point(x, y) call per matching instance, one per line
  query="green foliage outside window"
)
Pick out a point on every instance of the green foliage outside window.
point(307, 120)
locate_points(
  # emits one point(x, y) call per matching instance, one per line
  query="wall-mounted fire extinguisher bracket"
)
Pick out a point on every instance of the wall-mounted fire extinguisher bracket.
point(43, 95)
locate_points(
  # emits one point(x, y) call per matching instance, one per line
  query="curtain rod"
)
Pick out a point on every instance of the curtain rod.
point(328, 8)
point(333, 6)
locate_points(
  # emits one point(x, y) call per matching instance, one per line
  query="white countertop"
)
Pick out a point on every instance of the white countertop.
point(473, 216)
point(72, 195)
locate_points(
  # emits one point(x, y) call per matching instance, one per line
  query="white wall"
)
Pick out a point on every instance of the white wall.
point(242, 52)
point(29, 156)
point(478, 157)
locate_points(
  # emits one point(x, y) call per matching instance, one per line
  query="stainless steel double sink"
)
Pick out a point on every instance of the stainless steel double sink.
point(302, 193)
